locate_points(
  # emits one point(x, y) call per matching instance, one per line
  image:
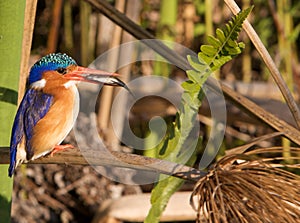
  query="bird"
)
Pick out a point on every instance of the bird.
point(50, 107)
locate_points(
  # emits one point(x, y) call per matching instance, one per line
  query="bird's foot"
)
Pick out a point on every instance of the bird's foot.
point(58, 148)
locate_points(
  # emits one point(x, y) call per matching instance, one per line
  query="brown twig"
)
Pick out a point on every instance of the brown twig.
point(132, 11)
point(119, 159)
point(107, 92)
point(85, 12)
point(54, 29)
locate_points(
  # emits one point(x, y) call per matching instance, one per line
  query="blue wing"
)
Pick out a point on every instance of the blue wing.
point(34, 106)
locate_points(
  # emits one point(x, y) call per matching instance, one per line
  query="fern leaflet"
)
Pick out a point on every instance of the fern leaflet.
point(224, 46)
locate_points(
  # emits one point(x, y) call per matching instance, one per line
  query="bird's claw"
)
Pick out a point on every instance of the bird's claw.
point(58, 148)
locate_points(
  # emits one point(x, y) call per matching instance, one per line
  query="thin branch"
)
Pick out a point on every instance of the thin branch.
point(242, 102)
point(55, 24)
point(74, 157)
point(107, 92)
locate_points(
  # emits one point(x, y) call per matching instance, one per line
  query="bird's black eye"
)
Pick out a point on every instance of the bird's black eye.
point(61, 70)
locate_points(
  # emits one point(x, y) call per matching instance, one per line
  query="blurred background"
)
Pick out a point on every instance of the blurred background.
point(60, 193)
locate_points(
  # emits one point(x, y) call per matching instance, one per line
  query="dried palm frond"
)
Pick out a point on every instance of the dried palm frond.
point(249, 188)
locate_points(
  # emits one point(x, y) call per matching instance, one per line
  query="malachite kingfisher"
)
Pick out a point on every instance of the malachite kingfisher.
point(50, 107)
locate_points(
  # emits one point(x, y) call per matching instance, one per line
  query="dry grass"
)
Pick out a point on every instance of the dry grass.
point(249, 188)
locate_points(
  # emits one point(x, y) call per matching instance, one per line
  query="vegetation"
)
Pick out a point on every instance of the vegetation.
point(222, 48)
point(248, 169)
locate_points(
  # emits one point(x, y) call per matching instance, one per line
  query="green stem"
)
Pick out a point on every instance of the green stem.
point(68, 27)
point(166, 31)
point(85, 11)
point(283, 7)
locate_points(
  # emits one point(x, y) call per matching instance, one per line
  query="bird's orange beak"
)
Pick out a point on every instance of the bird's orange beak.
point(94, 76)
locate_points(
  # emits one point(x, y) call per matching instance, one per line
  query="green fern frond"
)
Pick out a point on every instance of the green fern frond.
point(178, 142)
point(224, 46)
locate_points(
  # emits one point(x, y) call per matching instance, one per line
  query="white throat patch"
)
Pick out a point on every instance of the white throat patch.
point(70, 84)
point(39, 84)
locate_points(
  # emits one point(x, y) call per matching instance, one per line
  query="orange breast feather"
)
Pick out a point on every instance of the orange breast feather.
point(57, 123)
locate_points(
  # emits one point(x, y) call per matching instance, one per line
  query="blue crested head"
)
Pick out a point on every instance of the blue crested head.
point(49, 62)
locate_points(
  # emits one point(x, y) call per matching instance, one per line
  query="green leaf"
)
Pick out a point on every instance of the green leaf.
point(231, 43)
point(225, 42)
point(190, 87)
point(221, 61)
point(220, 35)
point(202, 56)
point(196, 64)
point(193, 76)
point(209, 50)
point(162, 192)
point(241, 45)
point(214, 41)
point(160, 196)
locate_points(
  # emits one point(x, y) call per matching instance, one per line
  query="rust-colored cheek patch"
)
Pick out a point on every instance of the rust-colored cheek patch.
point(54, 82)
